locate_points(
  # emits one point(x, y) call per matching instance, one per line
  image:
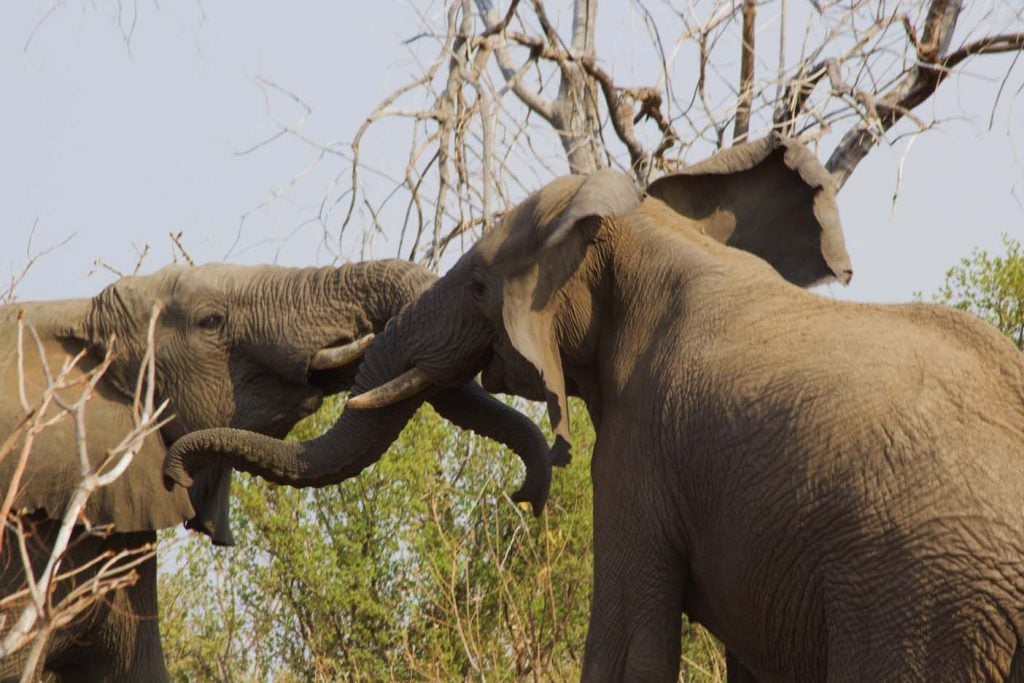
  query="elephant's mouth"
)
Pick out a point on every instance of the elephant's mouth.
point(276, 419)
point(333, 368)
point(334, 380)
point(504, 376)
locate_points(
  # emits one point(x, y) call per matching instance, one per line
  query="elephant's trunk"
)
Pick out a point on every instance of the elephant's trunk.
point(318, 462)
point(357, 440)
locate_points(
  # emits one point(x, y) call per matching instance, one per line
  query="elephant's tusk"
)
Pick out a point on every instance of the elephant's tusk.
point(337, 356)
point(405, 385)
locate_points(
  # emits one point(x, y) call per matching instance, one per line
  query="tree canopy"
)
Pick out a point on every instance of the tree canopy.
point(991, 287)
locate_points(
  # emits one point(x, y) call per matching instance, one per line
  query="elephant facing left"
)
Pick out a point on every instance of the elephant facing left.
point(247, 347)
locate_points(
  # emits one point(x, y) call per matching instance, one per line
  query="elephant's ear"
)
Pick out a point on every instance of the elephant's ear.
point(559, 243)
point(770, 197)
point(532, 334)
point(136, 501)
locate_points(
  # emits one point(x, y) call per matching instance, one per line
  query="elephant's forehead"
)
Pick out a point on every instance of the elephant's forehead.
point(164, 277)
point(221, 273)
point(173, 282)
point(207, 274)
point(220, 278)
point(145, 288)
point(522, 229)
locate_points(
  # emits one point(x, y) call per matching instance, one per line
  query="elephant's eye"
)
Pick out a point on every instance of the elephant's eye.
point(478, 287)
point(213, 321)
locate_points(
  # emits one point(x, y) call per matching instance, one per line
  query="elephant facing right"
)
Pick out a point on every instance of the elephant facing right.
point(835, 490)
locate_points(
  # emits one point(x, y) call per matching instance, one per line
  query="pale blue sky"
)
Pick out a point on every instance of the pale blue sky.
point(121, 144)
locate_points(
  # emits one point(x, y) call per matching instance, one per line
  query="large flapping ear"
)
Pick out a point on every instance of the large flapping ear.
point(532, 333)
point(558, 247)
point(210, 494)
point(136, 501)
point(770, 197)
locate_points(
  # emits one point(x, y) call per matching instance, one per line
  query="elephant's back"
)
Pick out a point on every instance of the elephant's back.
point(890, 443)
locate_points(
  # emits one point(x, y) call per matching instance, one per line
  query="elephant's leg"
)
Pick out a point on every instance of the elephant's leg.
point(122, 643)
point(135, 611)
point(635, 616)
point(471, 407)
point(639, 579)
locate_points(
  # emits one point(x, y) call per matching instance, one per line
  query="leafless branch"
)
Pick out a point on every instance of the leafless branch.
point(178, 248)
point(933, 67)
point(505, 81)
point(746, 95)
point(42, 20)
point(31, 258)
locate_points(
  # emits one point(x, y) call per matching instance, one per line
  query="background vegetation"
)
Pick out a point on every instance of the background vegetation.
point(990, 287)
point(421, 568)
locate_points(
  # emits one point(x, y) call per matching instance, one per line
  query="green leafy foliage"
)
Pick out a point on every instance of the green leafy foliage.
point(421, 568)
point(990, 287)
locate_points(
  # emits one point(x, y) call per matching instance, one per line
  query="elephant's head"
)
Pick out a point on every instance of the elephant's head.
point(519, 305)
point(239, 346)
point(249, 347)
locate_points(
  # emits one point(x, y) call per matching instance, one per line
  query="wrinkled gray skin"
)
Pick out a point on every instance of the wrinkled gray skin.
point(836, 490)
point(234, 345)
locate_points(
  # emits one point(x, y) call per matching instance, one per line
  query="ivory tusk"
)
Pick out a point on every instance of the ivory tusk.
point(405, 385)
point(337, 356)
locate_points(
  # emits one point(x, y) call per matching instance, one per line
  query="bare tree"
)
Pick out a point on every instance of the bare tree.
point(503, 83)
point(51, 596)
